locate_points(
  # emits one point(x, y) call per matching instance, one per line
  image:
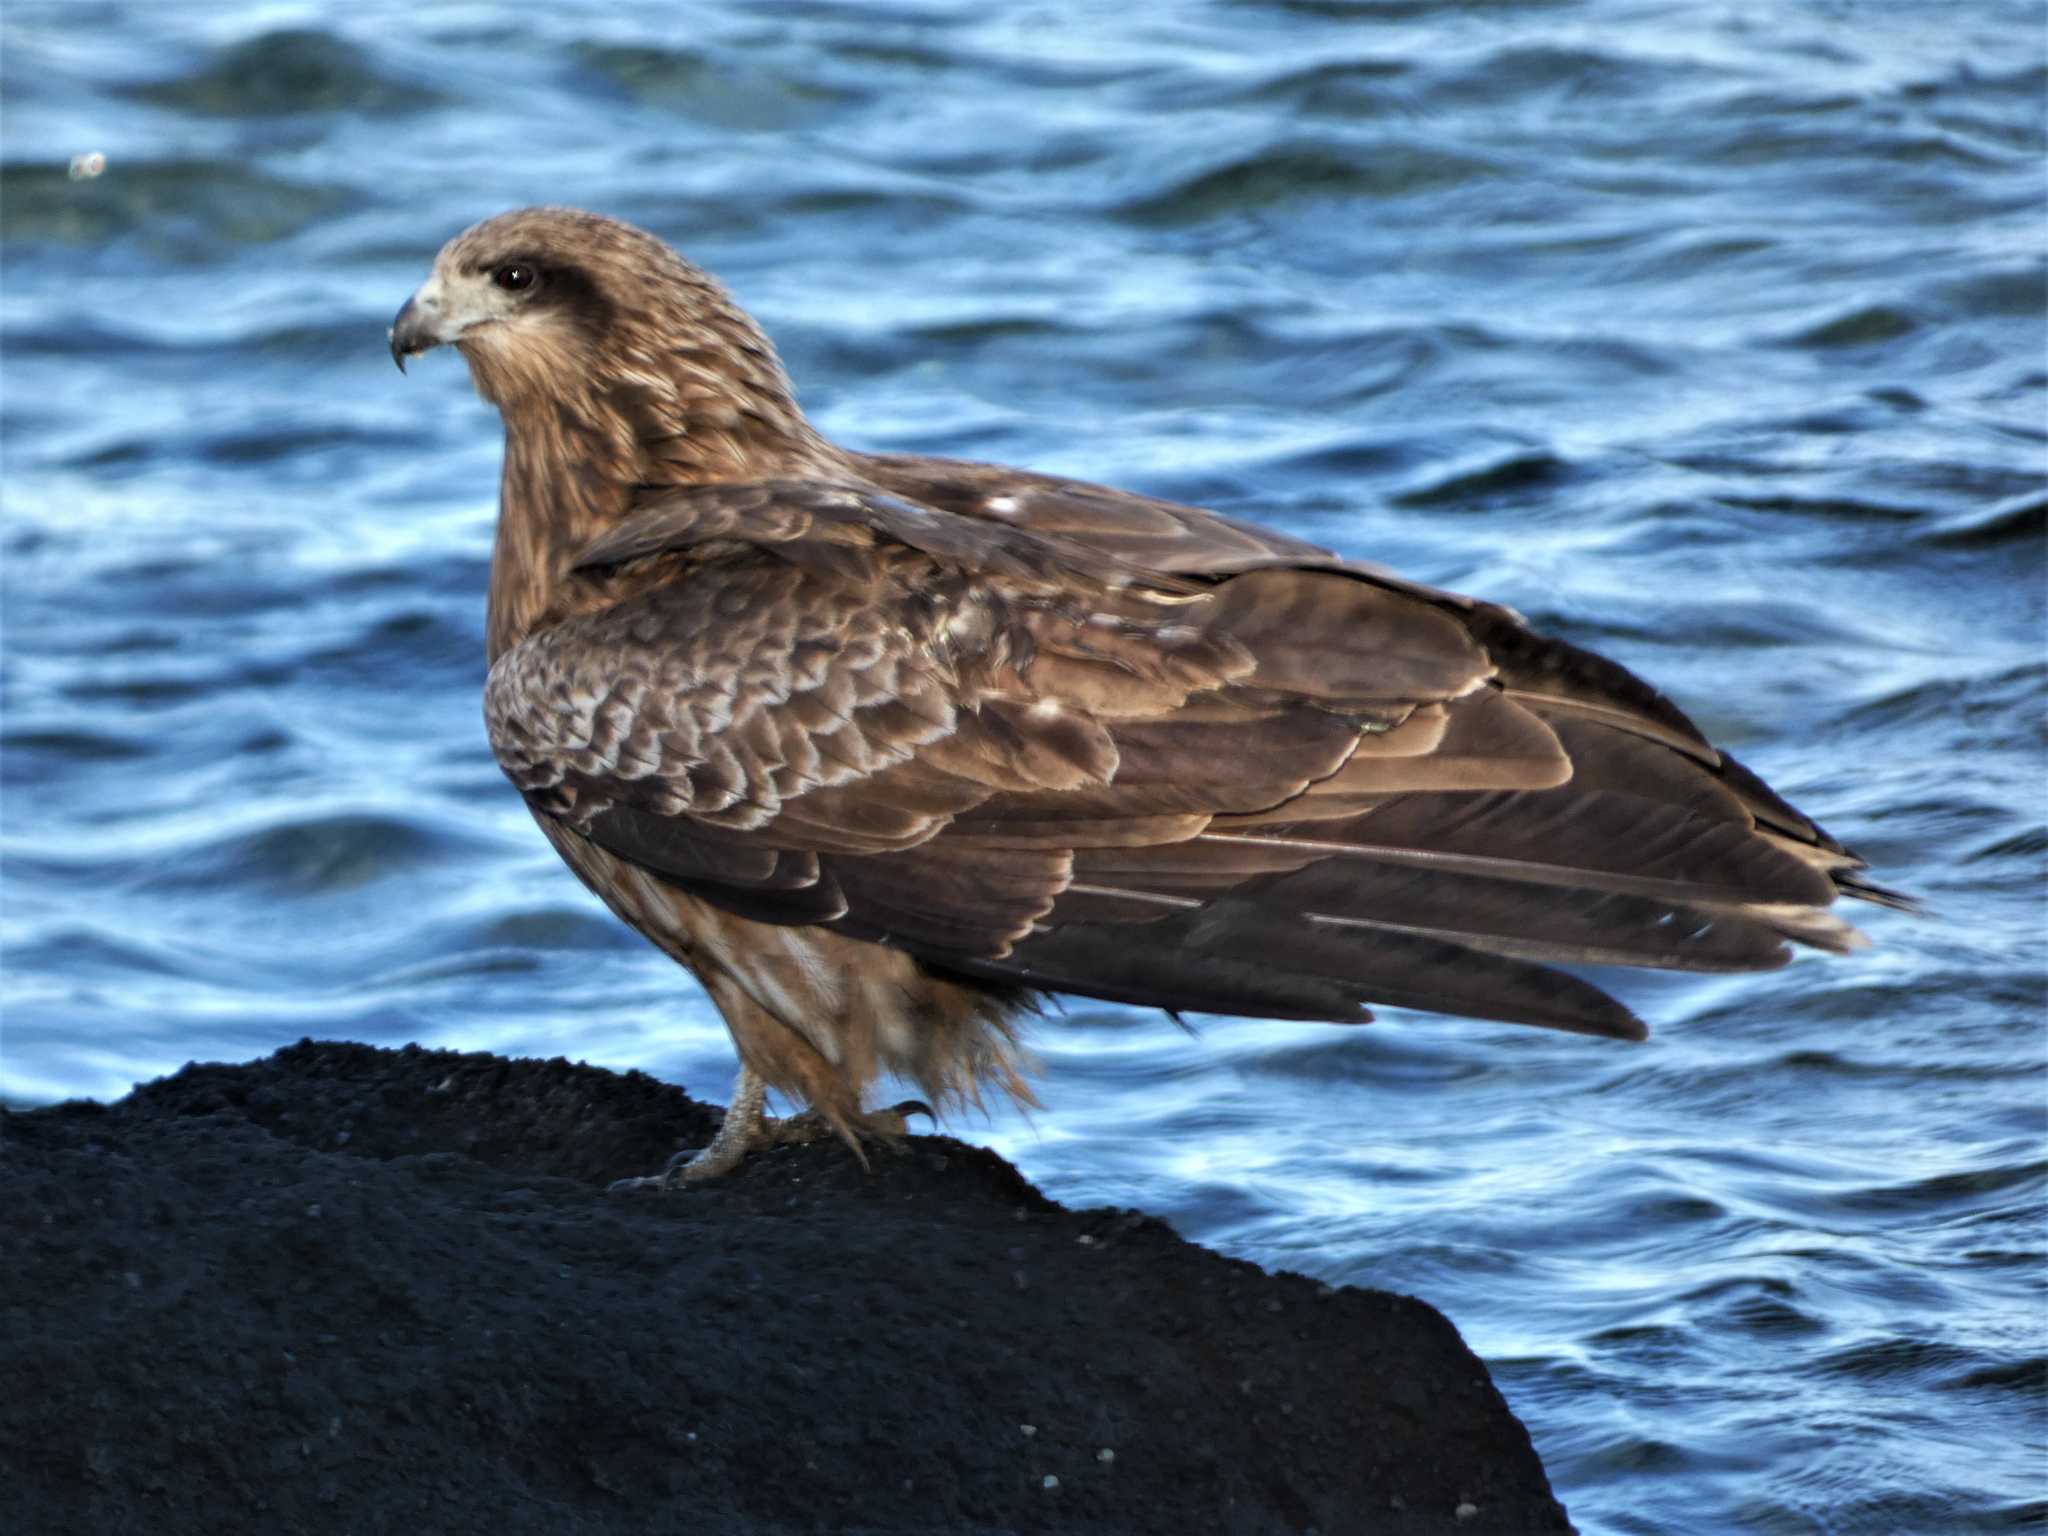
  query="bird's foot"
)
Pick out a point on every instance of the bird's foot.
point(748, 1128)
point(883, 1125)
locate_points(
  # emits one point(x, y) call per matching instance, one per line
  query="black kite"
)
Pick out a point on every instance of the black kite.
point(882, 748)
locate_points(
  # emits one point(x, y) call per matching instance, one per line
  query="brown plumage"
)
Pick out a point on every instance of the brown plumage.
point(883, 747)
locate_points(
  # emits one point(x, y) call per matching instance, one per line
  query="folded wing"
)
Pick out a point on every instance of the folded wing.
point(1054, 735)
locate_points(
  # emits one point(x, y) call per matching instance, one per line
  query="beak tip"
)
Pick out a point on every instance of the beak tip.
point(406, 336)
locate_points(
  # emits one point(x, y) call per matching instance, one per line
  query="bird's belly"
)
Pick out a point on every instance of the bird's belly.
point(818, 1014)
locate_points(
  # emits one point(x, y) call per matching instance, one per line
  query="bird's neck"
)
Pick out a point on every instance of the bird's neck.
point(561, 487)
point(578, 463)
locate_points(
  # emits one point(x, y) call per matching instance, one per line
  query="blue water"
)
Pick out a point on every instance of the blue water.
point(1711, 335)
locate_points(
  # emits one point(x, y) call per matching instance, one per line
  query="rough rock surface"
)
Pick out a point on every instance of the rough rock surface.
point(353, 1290)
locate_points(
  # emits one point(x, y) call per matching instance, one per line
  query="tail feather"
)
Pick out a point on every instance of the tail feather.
point(1237, 957)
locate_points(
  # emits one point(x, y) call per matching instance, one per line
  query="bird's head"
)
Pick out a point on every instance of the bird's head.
point(537, 298)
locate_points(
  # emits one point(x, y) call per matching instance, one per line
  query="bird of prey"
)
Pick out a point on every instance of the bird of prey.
point(885, 749)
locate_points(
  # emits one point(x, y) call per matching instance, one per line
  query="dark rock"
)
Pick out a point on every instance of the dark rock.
point(347, 1289)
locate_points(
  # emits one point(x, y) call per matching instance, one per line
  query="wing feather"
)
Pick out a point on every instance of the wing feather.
point(1042, 732)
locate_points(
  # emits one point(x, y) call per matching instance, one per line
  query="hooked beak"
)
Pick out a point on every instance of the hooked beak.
point(417, 327)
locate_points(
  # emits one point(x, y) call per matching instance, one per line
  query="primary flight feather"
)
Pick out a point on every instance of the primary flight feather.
point(882, 748)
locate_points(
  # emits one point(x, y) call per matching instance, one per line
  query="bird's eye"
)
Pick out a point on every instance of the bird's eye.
point(514, 276)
